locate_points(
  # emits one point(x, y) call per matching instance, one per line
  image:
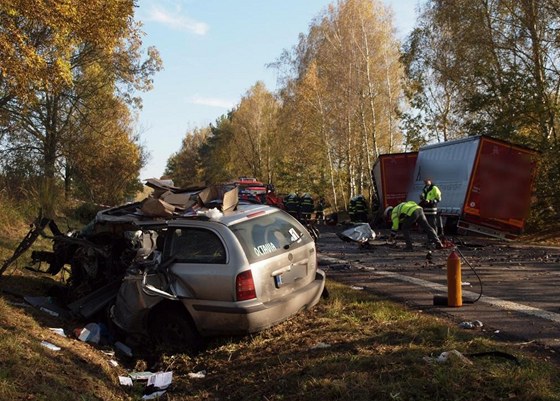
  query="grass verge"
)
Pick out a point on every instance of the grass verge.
point(355, 346)
point(351, 346)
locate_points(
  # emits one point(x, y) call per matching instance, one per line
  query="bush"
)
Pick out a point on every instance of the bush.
point(86, 212)
point(15, 216)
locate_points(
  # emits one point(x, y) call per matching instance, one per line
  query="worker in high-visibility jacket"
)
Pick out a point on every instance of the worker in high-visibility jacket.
point(404, 216)
point(429, 199)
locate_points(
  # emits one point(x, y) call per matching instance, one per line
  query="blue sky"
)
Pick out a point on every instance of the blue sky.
point(213, 51)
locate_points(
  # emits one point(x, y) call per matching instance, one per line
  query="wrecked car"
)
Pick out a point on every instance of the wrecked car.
point(204, 265)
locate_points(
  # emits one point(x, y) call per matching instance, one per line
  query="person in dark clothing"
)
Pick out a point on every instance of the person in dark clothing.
point(306, 206)
point(361, 209)
point(429, 199)
point(320, 211)
point(352, 209)
point(291, 203)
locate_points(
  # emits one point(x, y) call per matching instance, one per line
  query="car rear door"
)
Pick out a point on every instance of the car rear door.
point(281, 254)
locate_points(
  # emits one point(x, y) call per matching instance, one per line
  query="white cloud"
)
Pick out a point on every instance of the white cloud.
point(174, 20)
point(212, 102)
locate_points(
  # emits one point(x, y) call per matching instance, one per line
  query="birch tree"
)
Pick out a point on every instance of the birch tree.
point(352, 52)
point(254, 133)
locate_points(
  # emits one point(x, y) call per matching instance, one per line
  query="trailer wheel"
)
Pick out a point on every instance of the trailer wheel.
point(450, 227)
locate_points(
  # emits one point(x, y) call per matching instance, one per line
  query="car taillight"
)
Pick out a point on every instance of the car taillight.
point(245, 286)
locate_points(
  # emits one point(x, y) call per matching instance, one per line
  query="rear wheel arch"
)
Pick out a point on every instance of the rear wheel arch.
point(170, 326)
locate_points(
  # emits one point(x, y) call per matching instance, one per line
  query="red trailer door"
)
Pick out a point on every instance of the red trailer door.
point(396, 176)
point(499, 195)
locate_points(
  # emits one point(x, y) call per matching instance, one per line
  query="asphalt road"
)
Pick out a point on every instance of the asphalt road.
point(519, 283)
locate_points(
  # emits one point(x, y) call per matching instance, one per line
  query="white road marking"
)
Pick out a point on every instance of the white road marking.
point(500, 303)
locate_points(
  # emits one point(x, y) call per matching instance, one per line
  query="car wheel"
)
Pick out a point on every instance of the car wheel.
point(172, 329)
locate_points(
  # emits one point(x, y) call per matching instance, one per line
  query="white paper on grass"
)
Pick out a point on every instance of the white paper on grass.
point(58, 331)
point(140, 375)
point(160, 379)
point(125, 381)
point(50, 346)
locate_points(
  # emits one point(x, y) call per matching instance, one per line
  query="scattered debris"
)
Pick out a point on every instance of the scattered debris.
point(320, 345)
point(125, 381)
point(160, 380)
point(113, 363)
point(50, 346)
point(47, 305)
point(471, 325)
point(447, 355)
point(140, 375)
point(154, 395)
point(157, 385)
point(357, 288)
point(58, 331)
point(360, 233)
point(213, 214)
point(91, 333)
point(198, 375)
point(125, 349)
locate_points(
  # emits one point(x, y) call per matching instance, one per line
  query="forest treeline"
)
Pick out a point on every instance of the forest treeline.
point(348, 92)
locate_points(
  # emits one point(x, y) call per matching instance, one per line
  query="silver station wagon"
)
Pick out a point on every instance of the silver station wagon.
point(182, 265)
point(239, 273)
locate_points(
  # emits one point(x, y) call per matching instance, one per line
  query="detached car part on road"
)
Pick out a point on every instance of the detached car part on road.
point(198, 272)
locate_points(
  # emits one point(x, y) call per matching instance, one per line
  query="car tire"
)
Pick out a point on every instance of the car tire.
point(172, 329)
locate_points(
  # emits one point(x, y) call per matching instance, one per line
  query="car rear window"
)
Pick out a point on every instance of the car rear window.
point(269, 235)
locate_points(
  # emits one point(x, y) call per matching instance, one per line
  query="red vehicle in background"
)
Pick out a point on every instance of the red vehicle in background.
point(255, 191)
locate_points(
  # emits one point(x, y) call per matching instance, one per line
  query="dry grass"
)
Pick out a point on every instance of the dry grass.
point(29, 371)
point(374, 351)
point(353, 346)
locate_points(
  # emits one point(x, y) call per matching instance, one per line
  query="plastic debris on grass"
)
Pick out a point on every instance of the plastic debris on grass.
point(198, 375)
point(448, 355)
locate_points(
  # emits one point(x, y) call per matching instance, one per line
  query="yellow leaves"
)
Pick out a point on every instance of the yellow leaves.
point(39, 38)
